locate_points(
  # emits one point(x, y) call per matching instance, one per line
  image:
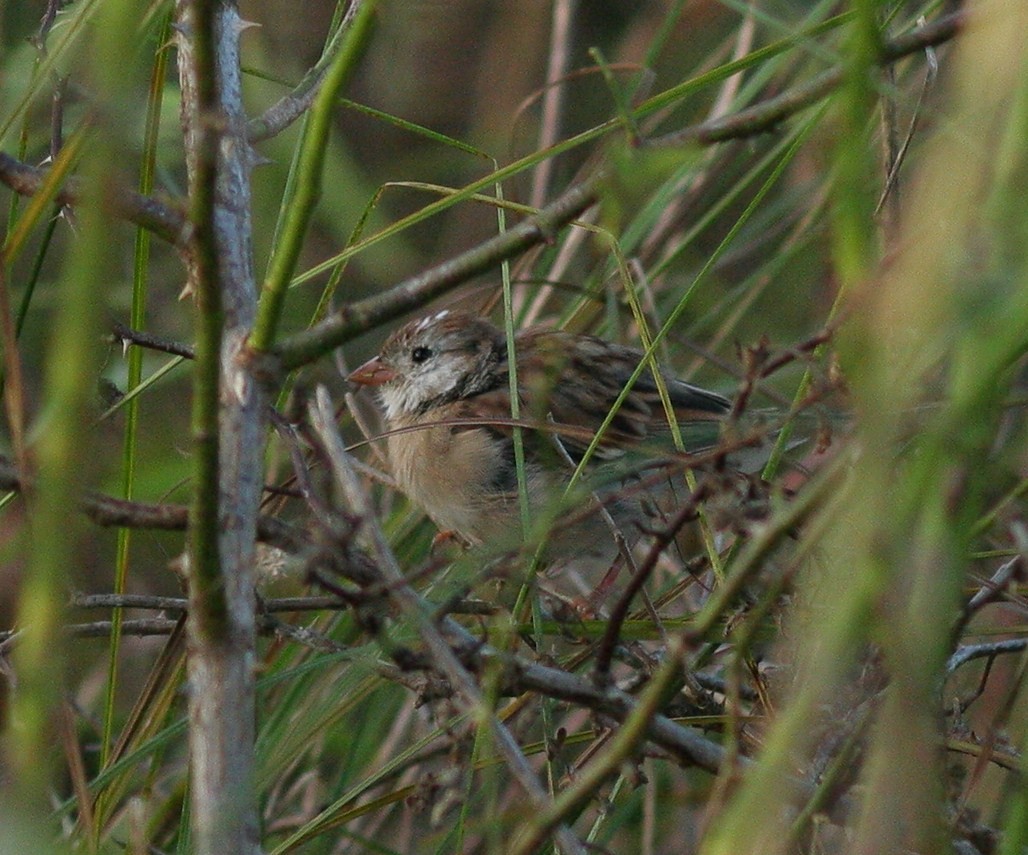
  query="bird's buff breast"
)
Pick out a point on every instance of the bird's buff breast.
point(448, 474)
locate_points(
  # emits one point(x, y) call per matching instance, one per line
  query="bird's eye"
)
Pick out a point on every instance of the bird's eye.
point(420, 354)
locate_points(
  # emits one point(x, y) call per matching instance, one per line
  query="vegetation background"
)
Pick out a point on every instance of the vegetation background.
point(816, 207)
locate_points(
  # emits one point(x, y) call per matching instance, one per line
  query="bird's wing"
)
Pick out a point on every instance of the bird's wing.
point(575, 380)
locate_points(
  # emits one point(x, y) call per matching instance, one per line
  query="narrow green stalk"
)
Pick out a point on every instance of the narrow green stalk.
point(37, 267)
point(515, 394)
point(206, 586)
point(621, 103)
point(308, 179)
point(137, 319)
point(856, 169)
point(59, 454)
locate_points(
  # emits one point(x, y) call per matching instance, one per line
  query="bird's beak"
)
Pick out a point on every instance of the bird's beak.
point(374, 372)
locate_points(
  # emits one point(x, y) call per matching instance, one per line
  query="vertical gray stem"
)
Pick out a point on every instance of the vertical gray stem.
point(222, 607)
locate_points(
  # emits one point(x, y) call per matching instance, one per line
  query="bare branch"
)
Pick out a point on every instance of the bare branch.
point(967, 652)
point(147, 601)
point(162, 218)
point(289, 108)
point(106, 510)
point(104, 628)
point(151, 341)
point(766, 115)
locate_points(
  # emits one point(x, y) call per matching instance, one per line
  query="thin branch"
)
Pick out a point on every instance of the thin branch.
point(180, 604)
point(145, 627)
point(612, 631)
point(109, 511)
point(518, 675)
point(768, 114)
point(46, 24)
point(104, 628)
point(289, 108)
point(128, 601)
point(162, 218)
point(303, 635)
point(152, 342)
point(965, 653)
point(996, 585)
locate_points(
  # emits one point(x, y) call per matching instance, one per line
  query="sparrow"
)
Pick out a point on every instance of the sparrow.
point(444, 385)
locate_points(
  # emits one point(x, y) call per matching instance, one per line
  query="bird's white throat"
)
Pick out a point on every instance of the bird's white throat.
point(409, 396)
